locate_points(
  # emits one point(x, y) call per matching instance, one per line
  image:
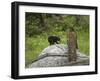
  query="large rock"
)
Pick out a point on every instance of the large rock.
point(56, 55)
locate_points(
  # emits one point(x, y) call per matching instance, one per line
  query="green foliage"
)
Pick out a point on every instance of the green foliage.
point(83, 41)
point(40, 25)
point(33, 47)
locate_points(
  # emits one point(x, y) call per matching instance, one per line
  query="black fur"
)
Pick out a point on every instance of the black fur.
point(53, 40)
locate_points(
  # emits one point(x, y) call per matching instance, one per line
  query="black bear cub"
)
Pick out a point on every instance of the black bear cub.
point(53, 40)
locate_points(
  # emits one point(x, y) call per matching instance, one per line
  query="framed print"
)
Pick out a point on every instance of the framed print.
point(51, 40)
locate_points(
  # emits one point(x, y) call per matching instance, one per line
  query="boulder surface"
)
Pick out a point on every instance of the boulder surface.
point(56, 56)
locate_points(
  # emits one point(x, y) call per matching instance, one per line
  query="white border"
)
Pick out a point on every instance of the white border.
point(53, 70)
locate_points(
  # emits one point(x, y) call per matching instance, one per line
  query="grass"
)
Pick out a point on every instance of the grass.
point(34, 45)
point(83, 42)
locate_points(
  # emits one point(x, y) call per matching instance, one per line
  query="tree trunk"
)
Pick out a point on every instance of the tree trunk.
point(44, 22)
point(72, 46)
